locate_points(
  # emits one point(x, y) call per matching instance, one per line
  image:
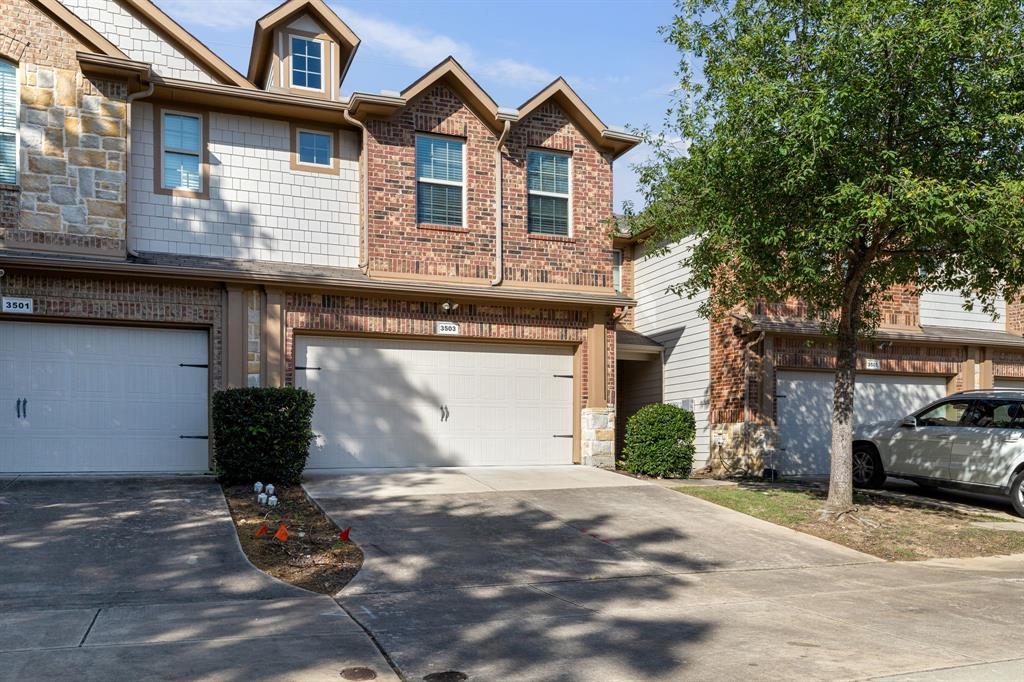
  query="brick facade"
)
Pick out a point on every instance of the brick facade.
point(112, 299)
point(399, 246)
point(72, 179)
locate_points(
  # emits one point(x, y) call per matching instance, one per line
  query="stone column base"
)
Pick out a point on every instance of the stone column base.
point(598, 437)
point(742, 449)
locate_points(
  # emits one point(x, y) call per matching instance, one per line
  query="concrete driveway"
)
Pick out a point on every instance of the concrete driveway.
point(578, 574)
point(137, 579)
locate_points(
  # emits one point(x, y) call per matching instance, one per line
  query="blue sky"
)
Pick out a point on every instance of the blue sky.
point(610, 52)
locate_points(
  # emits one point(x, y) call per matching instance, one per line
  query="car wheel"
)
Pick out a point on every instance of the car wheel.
point(867, 467)
point(1017, 493)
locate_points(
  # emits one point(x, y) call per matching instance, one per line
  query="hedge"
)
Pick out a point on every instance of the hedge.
point(660, 442)
point(262, 434)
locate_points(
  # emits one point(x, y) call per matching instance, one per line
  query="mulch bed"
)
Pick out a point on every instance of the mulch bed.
point(313, 557)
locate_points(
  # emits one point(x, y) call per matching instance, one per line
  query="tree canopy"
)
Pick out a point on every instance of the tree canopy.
point(837, 148)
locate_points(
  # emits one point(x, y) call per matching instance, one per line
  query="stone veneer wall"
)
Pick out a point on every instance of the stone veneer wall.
point(72, 182)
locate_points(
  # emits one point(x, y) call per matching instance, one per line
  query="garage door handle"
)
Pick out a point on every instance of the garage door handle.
point(24, 408)
point(563, 435)
point(17, 407)
point(196, 437)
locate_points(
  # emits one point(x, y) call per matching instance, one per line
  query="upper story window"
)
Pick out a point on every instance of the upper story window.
point(617, 270)
point(181, 146)
point(8, 123)
point(439, 180)
point(549, 192)
point(307, 63)
point(315, 148)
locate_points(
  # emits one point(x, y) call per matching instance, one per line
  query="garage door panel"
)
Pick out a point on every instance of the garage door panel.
point(805, 412)
point(379, 402)
point(104, 399)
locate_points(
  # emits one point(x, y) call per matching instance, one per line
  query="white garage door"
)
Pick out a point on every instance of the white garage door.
point(805, 411)
point(402, 403)
point(1016, 384)
point(89, 398)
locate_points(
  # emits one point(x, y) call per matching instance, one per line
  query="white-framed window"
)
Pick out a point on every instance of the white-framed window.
point(181, 151)
point(440, 163)
point(549, 209)
point(314, 148)
point(307, 63)
point(617, 270)
point(8, 123)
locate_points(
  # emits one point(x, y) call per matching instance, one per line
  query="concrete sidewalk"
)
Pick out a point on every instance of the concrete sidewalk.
point(617, 579)
point(143, 579)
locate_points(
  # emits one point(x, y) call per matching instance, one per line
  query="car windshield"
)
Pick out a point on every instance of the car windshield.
point(944, 414)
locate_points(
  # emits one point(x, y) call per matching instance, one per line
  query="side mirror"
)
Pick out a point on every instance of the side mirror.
point(909, 422)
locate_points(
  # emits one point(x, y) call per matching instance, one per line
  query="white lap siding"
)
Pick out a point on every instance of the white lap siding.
point(946, 309)
point(673, 321)
point(258, 207)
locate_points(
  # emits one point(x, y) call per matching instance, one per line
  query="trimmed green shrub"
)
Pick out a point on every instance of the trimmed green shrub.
point(660, 442)
point(262, 434)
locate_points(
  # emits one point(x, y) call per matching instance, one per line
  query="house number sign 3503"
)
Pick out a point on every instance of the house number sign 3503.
point(447, 328)
point(17, 305)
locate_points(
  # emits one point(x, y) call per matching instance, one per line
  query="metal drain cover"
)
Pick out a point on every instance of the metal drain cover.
point(358, 674)
point(446, 676)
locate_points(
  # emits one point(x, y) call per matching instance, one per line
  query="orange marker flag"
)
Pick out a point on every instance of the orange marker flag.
point(344, 534)
point(282, 533)
point(263, 530)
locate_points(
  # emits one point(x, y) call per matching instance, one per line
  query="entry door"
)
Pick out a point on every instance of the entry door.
point(406, 403)
point(93, 398)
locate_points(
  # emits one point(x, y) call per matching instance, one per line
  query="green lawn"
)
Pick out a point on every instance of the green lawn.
point(886, 528)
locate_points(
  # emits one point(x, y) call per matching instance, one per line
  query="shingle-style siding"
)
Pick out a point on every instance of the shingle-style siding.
point(945, 309)
point(71, 185)
point(258, 208)
point(399, 246)
point(136, 39)
point(674, 322)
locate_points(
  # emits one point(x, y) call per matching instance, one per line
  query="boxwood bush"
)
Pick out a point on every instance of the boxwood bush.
point(660, 442)
point(262, 434)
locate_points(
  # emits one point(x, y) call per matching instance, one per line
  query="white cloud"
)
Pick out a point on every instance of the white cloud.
point(405, 44)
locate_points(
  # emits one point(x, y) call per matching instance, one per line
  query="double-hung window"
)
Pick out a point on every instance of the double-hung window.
point(439, 181)
point(8, 123)
point(617, 270)
point(181, 148)
point(307, 63)
point(548, 210)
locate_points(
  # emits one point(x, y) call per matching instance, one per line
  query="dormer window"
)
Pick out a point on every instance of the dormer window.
point(307, 63)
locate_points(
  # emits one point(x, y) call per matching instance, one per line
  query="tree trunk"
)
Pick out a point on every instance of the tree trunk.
point(840, 483)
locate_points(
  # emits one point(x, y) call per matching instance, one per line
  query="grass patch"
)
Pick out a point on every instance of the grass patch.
point(895, 530)
point(313, 557)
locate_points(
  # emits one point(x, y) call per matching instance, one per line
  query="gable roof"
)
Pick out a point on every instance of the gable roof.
point(262, 37)
point(188, 43)
point(451, 73)
point(574, 106)
point(81, 30)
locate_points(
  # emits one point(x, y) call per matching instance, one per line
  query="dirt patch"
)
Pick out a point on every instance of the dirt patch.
point(313, 557)
point(897, 530)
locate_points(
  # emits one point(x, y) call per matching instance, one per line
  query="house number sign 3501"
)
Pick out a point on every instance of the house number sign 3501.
point(17, 305)
point(447, 328)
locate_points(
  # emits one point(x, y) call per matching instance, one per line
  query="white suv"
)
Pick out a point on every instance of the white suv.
point(973, 440)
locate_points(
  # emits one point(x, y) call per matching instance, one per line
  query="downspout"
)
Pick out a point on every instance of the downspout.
point(128, 161)
point(364, 209)
point(499, 231)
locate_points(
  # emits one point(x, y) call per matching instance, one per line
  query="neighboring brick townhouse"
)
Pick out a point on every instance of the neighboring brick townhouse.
point(440, 271)
point(760, 381)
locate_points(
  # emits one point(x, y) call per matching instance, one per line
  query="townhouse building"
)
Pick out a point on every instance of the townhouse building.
point(760, 381)
point(438, 270)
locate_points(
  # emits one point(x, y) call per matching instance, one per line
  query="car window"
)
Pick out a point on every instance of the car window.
point(944, 414)
point(996, 414)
